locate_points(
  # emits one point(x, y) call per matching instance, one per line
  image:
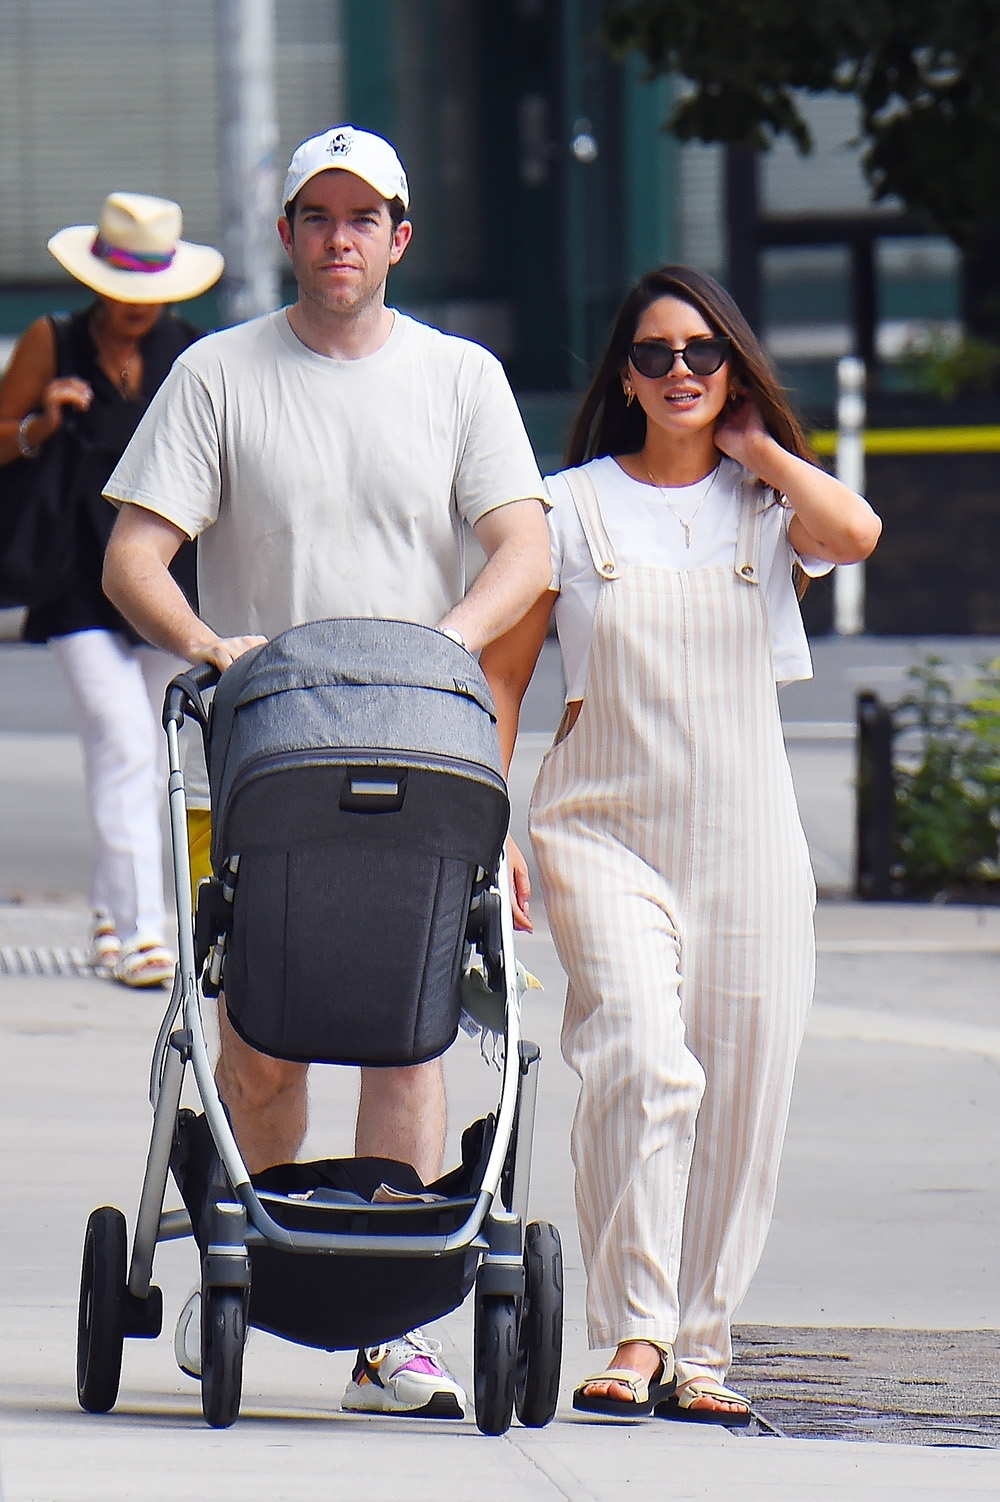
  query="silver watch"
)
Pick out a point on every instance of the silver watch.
point(456, 636)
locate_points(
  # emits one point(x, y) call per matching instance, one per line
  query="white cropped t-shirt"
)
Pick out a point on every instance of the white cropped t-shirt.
point(644, 529)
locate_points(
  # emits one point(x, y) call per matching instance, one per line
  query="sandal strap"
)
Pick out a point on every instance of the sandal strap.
point(637, 1386)
point(707, 1387)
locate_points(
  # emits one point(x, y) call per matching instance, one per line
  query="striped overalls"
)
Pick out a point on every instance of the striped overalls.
point(679, 892)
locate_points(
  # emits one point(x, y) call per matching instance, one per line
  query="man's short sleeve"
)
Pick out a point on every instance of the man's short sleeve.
point(554, 484)
point(172, 465)
point(496, 464)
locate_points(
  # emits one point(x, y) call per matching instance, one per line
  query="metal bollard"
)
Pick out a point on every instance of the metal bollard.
point(849, 578)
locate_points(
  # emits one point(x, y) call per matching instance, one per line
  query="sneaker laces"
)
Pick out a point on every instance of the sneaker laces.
point(423, 1345)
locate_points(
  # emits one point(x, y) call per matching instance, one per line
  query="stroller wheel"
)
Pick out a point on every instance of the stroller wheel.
point(223, 1334)
point(101, 1322)
point(539, 1340)
point(495, 1360)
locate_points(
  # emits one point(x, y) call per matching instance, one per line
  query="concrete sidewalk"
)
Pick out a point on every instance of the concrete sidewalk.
point(887, 1217)
point(884, 1242)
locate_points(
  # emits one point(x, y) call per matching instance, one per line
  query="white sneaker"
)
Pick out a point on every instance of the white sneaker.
point(187, 1337)
point(404, 1376)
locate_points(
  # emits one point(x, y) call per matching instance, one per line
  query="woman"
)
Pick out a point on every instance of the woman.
point(103, 365)
point(672, 861)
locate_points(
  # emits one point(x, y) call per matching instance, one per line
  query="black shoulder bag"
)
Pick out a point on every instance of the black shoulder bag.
point(38, 507)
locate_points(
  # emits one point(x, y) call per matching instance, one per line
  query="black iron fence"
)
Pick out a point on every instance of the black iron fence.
point(876, 799)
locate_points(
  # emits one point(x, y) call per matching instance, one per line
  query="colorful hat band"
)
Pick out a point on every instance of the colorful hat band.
point(126, 260)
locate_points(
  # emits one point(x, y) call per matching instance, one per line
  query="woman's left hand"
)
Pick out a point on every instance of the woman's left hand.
point(740, 432)
point(520, 887)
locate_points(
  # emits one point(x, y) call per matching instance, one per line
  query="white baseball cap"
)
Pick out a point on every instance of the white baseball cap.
point(367, 156)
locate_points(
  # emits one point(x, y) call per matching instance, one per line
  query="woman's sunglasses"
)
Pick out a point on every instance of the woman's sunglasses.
point(654, 358)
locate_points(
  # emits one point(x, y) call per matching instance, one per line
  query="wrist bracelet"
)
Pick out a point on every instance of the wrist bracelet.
point(24, 448)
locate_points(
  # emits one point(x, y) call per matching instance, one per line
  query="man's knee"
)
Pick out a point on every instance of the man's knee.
point(256, 1080)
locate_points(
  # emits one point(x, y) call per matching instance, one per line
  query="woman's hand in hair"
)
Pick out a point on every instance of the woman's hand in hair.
point(830, 521)
point(741, 435)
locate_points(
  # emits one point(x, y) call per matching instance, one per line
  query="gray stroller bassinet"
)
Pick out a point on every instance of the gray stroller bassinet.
point(359, 814)
point(356, 787)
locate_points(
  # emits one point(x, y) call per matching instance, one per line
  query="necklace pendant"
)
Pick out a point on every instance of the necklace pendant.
point(687, 532)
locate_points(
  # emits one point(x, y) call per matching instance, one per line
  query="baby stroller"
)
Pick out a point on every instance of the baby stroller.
point(359, 814)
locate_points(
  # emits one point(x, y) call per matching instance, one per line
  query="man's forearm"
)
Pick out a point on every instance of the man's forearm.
point(516, 573)
point(140, 585)
point(508, 585)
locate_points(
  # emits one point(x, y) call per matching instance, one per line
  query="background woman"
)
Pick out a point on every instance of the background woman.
point(672, 861)
point(117, 353)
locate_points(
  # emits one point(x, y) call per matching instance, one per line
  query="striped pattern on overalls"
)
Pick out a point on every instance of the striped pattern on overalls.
point(680, 897)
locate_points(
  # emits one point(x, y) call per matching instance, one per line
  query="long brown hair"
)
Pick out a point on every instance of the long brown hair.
point(606, 424)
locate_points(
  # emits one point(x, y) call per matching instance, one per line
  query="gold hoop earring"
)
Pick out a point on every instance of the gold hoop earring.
point(629, 396)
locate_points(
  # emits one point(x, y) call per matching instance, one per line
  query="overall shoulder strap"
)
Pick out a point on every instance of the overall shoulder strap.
point(753, 503)
point(588, 509)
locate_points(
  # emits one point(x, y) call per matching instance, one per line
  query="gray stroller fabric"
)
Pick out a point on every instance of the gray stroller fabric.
point(355, 772)
point(368, 685)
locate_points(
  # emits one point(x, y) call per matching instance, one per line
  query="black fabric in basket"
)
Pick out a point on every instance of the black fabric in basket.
point(330, 1300)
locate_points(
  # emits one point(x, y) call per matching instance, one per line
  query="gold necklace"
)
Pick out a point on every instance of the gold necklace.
point(125, 380)
point(687, 525)
point(125, 384)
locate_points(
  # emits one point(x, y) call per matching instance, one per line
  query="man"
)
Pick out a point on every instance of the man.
point(327, 455)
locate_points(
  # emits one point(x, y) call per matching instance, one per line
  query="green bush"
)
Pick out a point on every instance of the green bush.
point(947, 794)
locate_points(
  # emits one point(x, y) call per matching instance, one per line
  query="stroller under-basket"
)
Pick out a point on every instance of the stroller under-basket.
point(359, 814)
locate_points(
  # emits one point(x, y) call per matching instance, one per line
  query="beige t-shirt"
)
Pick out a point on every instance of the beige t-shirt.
point(325, 487)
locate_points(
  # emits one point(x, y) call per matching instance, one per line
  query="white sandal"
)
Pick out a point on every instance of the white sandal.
point(105, 946)
point(144, 963)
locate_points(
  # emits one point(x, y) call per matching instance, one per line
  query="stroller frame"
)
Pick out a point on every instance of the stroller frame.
point(518, 1281)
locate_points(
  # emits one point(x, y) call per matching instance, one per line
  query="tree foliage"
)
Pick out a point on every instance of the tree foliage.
point(925, 73)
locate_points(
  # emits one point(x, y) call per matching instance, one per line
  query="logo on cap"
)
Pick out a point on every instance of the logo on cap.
point(340, 143)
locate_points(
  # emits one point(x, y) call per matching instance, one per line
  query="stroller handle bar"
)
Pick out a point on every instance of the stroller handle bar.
point(184, 694)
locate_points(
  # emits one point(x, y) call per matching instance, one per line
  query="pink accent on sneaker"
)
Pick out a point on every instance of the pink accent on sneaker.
point(425, 1364)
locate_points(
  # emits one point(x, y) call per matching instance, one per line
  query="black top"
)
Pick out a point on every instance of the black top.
point(105, 431)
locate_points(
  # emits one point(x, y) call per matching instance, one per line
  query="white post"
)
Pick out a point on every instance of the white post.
point(247, 143)
point(849, 578)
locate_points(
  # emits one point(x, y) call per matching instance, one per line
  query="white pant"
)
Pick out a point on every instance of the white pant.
point(117, 691)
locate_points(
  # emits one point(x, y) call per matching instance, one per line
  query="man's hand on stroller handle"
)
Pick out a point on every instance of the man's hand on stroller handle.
point(520, 886)
point(223, 652)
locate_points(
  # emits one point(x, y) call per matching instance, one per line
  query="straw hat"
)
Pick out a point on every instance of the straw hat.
point(136, 253)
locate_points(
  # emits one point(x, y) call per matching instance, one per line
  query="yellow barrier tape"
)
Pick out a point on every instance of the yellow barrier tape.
point(984, 440)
